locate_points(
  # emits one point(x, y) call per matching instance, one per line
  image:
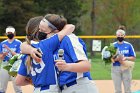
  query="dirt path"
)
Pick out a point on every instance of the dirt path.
point(104, 86)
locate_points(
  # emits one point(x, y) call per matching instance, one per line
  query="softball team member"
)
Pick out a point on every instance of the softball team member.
point(9, 47)
point(43, 73)
point(74, 68)
point(122, 76)
point(75, 52)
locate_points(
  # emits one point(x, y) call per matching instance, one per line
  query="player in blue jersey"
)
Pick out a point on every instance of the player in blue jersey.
point(75, 67)
point(75, 54)
point(120, 76)
point(9, 47)
point(0, 55)
point(43, 73)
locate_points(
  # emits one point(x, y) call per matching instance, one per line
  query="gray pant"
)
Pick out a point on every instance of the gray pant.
point(4, 78)
point(84, 85)
point(52, 89)
point(119, 77)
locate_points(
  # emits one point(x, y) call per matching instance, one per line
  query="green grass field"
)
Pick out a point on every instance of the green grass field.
point(101, 72)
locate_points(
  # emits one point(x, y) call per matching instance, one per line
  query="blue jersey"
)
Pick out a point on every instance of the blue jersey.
point(42, 73)
point(126, 49)
point(74, 51)
point(14, 46)
point(0, 47)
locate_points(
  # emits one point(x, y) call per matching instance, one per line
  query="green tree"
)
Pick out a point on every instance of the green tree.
point(111, 13)
point(15, 13)
point(71, 9)
point(18, 12)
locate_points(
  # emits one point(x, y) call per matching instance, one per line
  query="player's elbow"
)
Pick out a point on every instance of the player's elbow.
point(134, 58)
point(23, 46)
point(86, 66)
point(19, 80)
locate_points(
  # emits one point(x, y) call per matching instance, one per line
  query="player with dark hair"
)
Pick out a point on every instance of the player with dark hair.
point(43, 73)
point(74, 71)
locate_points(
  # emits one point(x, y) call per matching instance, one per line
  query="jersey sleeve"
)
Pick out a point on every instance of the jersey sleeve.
point(52, 42)
point(23, 68)
point(18, 47)
point(0, 48)
point(131, 51)
point(75, 49)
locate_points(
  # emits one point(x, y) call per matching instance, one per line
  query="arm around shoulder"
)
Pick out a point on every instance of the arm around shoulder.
point(25, 48)
point(68, 29)
point(21, 80)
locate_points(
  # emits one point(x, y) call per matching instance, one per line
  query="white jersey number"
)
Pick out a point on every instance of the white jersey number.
point(34, 71)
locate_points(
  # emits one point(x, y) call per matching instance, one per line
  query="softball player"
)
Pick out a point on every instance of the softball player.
point(74, 75)
point(43, 73)
point(118, 75)
point(8, 48)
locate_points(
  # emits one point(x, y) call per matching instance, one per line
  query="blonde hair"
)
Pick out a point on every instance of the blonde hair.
point(31, 30)
point(121, 29)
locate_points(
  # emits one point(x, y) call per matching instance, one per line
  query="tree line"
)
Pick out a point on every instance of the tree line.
point(91, 17)
point(17, 12)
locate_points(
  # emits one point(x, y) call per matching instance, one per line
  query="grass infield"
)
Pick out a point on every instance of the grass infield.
point(101, 72)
